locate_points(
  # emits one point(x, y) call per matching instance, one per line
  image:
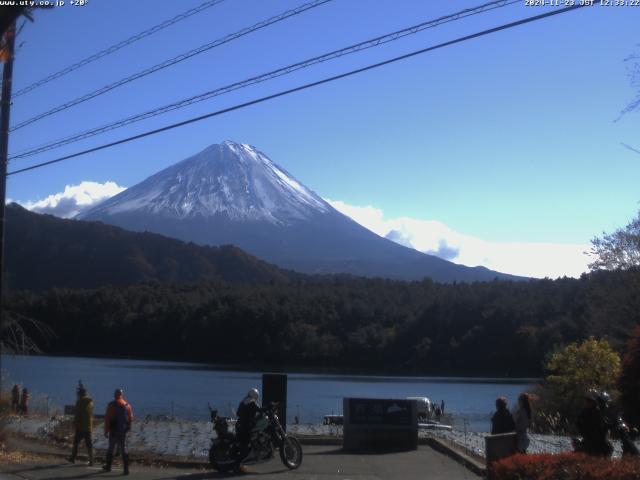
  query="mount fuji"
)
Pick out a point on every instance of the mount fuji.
point(234, 194)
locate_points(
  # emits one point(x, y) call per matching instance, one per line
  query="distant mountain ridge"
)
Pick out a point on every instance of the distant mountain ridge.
point(43, 251)
point(234, 194)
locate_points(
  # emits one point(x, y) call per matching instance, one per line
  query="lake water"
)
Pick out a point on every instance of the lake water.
point(184, 389)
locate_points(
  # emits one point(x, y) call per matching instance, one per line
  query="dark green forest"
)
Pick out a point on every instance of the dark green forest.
point(498, 328)
point(43, 251)
point(174, 300)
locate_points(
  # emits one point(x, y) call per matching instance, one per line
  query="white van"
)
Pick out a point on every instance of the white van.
point(424, 408)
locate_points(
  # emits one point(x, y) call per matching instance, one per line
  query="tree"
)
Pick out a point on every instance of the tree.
point(574, 370)
point(619, 250)
point(629, 383)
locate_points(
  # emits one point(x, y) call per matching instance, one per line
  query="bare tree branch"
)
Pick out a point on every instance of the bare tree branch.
point(19, 331)
point(633, 71)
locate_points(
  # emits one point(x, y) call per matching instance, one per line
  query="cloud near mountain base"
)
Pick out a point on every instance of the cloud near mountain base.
point(429, 236)
point(74, 199)
point(536, 260)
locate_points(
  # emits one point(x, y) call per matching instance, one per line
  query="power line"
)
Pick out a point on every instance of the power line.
point(173, 61)
point(118, 46)
point(303, 87)
point(266, 76)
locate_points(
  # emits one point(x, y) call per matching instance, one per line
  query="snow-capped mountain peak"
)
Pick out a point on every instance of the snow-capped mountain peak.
point(230, 179)
point(233, 194)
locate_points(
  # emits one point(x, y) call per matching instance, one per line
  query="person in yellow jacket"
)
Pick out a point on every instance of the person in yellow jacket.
point(83, 423)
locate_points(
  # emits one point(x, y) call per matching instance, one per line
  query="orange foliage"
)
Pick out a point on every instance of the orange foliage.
point(566, 466)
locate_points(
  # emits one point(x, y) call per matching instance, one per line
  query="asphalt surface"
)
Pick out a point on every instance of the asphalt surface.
point(319, 462)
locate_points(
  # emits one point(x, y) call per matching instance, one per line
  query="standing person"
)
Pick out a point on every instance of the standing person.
point(15, 399)
point(117, 423)
point(24, 402)
point(593, 427)
point(522, 419)
point(442, 406)
point(83, 423)
point(502, 420)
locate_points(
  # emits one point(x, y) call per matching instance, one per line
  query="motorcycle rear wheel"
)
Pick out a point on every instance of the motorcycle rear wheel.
point(291, 452)
point(220, 457)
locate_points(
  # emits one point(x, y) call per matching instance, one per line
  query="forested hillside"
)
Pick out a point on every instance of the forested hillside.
point(43, 252)
point(492, 328)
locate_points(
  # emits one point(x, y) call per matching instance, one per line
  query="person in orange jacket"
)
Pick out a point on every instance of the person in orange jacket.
point(117, 423)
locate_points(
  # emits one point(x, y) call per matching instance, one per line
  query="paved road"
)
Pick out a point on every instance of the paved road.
point(320, 463)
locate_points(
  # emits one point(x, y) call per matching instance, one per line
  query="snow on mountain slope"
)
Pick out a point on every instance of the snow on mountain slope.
point(232, 179)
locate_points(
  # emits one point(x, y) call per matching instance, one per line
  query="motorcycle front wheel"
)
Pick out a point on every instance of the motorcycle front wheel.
point(291, 452)
point(221, 456)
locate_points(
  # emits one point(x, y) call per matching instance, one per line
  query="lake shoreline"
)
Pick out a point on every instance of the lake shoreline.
point(300, 370)
point(184, 390)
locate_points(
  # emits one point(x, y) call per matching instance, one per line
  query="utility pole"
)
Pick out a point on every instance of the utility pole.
point(5, 105)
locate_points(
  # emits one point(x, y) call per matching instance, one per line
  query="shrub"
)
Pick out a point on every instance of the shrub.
point(571, 372)
point(566, 466)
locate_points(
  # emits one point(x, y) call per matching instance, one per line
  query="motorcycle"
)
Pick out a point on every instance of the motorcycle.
point(620, 430)
point(266, 435)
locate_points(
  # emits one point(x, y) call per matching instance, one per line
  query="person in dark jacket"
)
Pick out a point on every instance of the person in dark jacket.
point(82, 423)
point(117, 423)
point(502, 421)
point(247, 411)
point(592, 426)
point(15, 399)
point(24, 402)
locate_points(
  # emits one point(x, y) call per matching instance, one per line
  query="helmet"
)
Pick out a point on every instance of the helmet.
point(592, 394)
point(253, 393)
point(118, 393)
point(604, 399)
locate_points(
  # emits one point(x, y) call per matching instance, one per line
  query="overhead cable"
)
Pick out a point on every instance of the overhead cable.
point(264, 77)
point(172, 61)
point(118, 46)
point(304, 87)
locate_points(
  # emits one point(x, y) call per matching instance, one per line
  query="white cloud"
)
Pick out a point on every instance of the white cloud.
point(519, 258)
point(75, 199)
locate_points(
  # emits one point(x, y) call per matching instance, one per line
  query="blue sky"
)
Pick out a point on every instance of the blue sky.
point(509, 139)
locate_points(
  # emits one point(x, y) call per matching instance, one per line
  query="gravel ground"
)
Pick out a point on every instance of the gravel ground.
point(177, 437)
point(192, 439)
point(474, 442)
